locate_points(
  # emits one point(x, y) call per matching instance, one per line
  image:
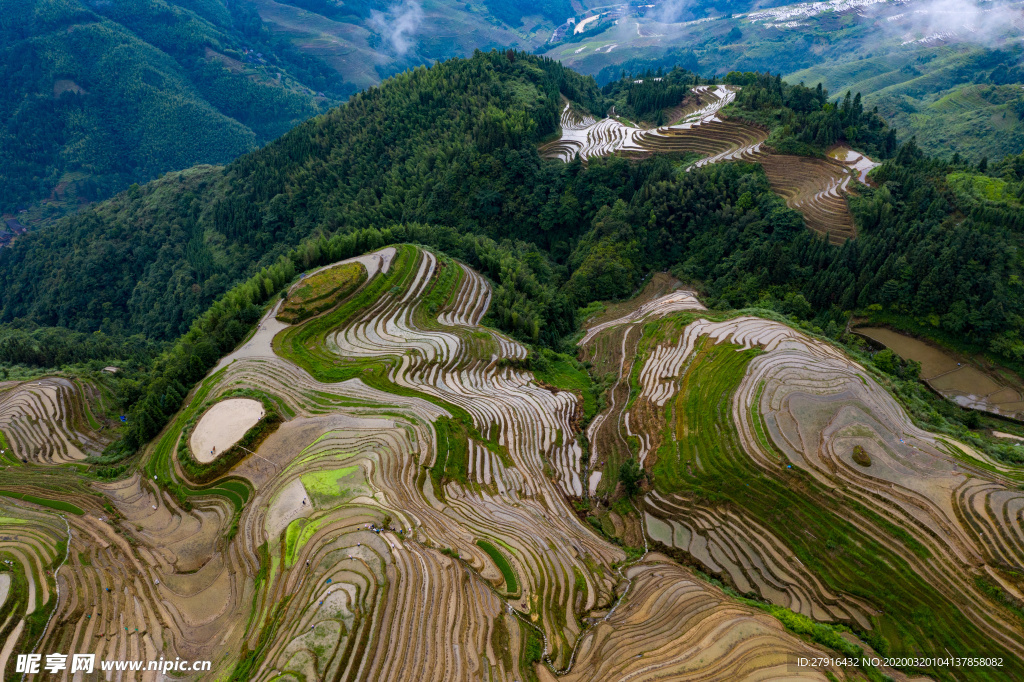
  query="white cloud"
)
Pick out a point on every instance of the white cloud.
point(979, 21)
point(398, 25)
point(672, 11)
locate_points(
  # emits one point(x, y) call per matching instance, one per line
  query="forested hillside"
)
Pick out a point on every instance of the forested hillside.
point(451, 153)
point(452, 145)
point(97, 96)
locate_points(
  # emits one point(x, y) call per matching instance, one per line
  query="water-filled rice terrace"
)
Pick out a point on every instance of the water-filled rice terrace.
point(409, 506)
point(815, 187)
point(752, 432)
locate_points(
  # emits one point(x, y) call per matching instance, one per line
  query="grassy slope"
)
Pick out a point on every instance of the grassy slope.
point(321, 292)
point(931, 93)
point(563, 372)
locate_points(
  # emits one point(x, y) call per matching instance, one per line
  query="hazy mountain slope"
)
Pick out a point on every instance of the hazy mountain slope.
point(99, 96)
point(368, 41)
point(911, 59)
point(954, 99)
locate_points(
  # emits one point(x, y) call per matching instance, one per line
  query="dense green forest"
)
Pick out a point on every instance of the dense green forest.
point(644, 95)
point(97, 96)
point(804, 122)
point(447, 157)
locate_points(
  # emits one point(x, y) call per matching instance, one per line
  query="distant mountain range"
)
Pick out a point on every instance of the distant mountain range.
point(98, 95)
point(945, 67)
point(104, 93)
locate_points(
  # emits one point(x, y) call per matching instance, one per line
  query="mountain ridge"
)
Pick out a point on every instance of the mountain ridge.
point(99, 97)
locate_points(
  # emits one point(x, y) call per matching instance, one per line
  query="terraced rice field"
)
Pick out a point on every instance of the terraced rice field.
point(50, 420)
point(412, 516)
point(817, 188)
point(749, 430)
point(586, 137)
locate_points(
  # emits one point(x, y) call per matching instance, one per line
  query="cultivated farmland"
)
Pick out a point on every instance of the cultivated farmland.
point(414, 510)
point(815, 187)
point(751, 432)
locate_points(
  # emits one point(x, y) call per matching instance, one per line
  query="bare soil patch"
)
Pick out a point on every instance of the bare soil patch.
point(222, 426)
point(63, 85)
point(660, 284)
point(286, 507)
point(933, 360)
point(232, 65)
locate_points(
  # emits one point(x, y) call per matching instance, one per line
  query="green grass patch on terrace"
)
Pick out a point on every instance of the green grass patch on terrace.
point(321, 291)
point(328, 488)
point(757, 419)
point(86, 409)
point(447, 278)
point(565, 373)
point(532, 650)
point(825, 532)
point(292, 540)
point(499, 559)
point(8, 456)
point(452, 461)
point(326, 483)
point(59, 505)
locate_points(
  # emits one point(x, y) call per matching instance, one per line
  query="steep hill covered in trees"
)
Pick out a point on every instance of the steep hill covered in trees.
point(97, 96)
point(456, 146)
